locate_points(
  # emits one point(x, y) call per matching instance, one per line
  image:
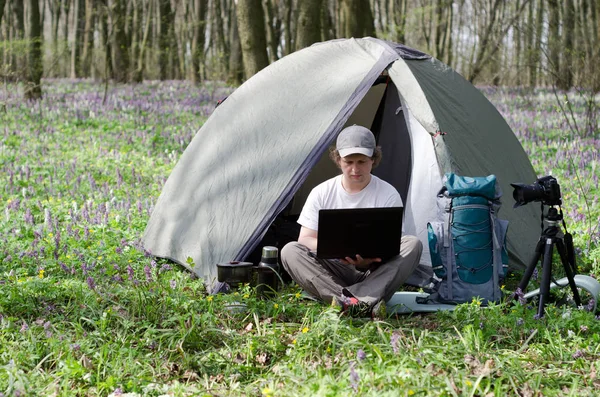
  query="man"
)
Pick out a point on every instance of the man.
point(359, 285)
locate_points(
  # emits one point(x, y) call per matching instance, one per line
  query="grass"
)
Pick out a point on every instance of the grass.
point(85, 311)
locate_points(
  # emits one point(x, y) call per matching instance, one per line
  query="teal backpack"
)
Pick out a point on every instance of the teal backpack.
point(468, 250)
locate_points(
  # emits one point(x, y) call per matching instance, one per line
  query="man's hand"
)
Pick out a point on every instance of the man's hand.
point(359, 261)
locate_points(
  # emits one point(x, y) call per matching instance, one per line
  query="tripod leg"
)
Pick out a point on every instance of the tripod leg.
point(546, 275)
point(532, 265)
point(568, 270)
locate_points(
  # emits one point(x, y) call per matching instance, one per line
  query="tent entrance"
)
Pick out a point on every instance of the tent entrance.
point(391, 132)
point(381, 111)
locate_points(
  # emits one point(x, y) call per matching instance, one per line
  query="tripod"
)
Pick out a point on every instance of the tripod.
point(545, 247)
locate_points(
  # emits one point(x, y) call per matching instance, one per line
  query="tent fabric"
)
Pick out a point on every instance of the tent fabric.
point(479, 142)
point(255, 149)
point(265, 147)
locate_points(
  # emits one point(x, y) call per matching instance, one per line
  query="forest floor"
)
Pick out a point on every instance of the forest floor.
point(84, 311)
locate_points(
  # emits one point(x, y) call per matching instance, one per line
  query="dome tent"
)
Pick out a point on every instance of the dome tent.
point(265, 147)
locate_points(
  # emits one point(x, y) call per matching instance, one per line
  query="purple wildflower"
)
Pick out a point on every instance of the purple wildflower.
point(173, 284)
point(75, 347)
point(165, 267)
point(24, 327)
point(130, 272)
point(591, 305)
point(578, 354)
point(361, 355)
point(118, 250)
point(520, 296)
point(28, 217)
point(91, 283)
point(148, 273)
point(117, 392)
point(394, 342)
point(520, 322)
point(119, 178)
point(583, 328)
point(354, 378)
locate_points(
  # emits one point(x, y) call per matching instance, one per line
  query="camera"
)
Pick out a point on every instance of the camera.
point(546, 189)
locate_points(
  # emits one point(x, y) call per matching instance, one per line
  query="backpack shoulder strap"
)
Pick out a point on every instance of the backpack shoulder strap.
point(449, 246)
point(496, 252)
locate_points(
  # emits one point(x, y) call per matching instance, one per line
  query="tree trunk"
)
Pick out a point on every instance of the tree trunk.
point(516, 56)
point(308, 30)
point(236, 69)
point(327, 24)
point(349, 15)
point(586, 32)
point(19, 60)
point(85, 59)
point(166, 52)
point(33, 89)
point(178, 45)
point(54, 6)
point(106, 40)
point(426, 21)
point(449, 33)
point(554, 42)
point(120, 54)
point(74, 35)
point(134, 48)
point(198, 38)
point(138, 74)
point(569, 28)
point(496, 61)
point(537, 48)
point(441, 28)
point(2, 4)
point(288, 45)
point(399, 12)
point(65, 6)
point(368, 21)
point(18, 9)
point(251, 28)
point(218, 35)
point(595, 26)
point(270, 30)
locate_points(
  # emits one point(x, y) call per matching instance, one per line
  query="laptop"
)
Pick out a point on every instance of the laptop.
point(368, 232)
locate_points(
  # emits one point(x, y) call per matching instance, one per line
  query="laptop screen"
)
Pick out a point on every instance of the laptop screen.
point(368, 232)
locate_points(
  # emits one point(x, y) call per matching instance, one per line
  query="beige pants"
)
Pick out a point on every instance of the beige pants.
point(327, 279)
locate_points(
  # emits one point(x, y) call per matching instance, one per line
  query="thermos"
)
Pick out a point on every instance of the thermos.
point(268, 270)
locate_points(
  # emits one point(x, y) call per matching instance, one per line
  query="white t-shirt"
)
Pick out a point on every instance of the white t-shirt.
point(331, 195)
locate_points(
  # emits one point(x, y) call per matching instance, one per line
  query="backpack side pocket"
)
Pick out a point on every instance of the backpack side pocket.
point(435, 237)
